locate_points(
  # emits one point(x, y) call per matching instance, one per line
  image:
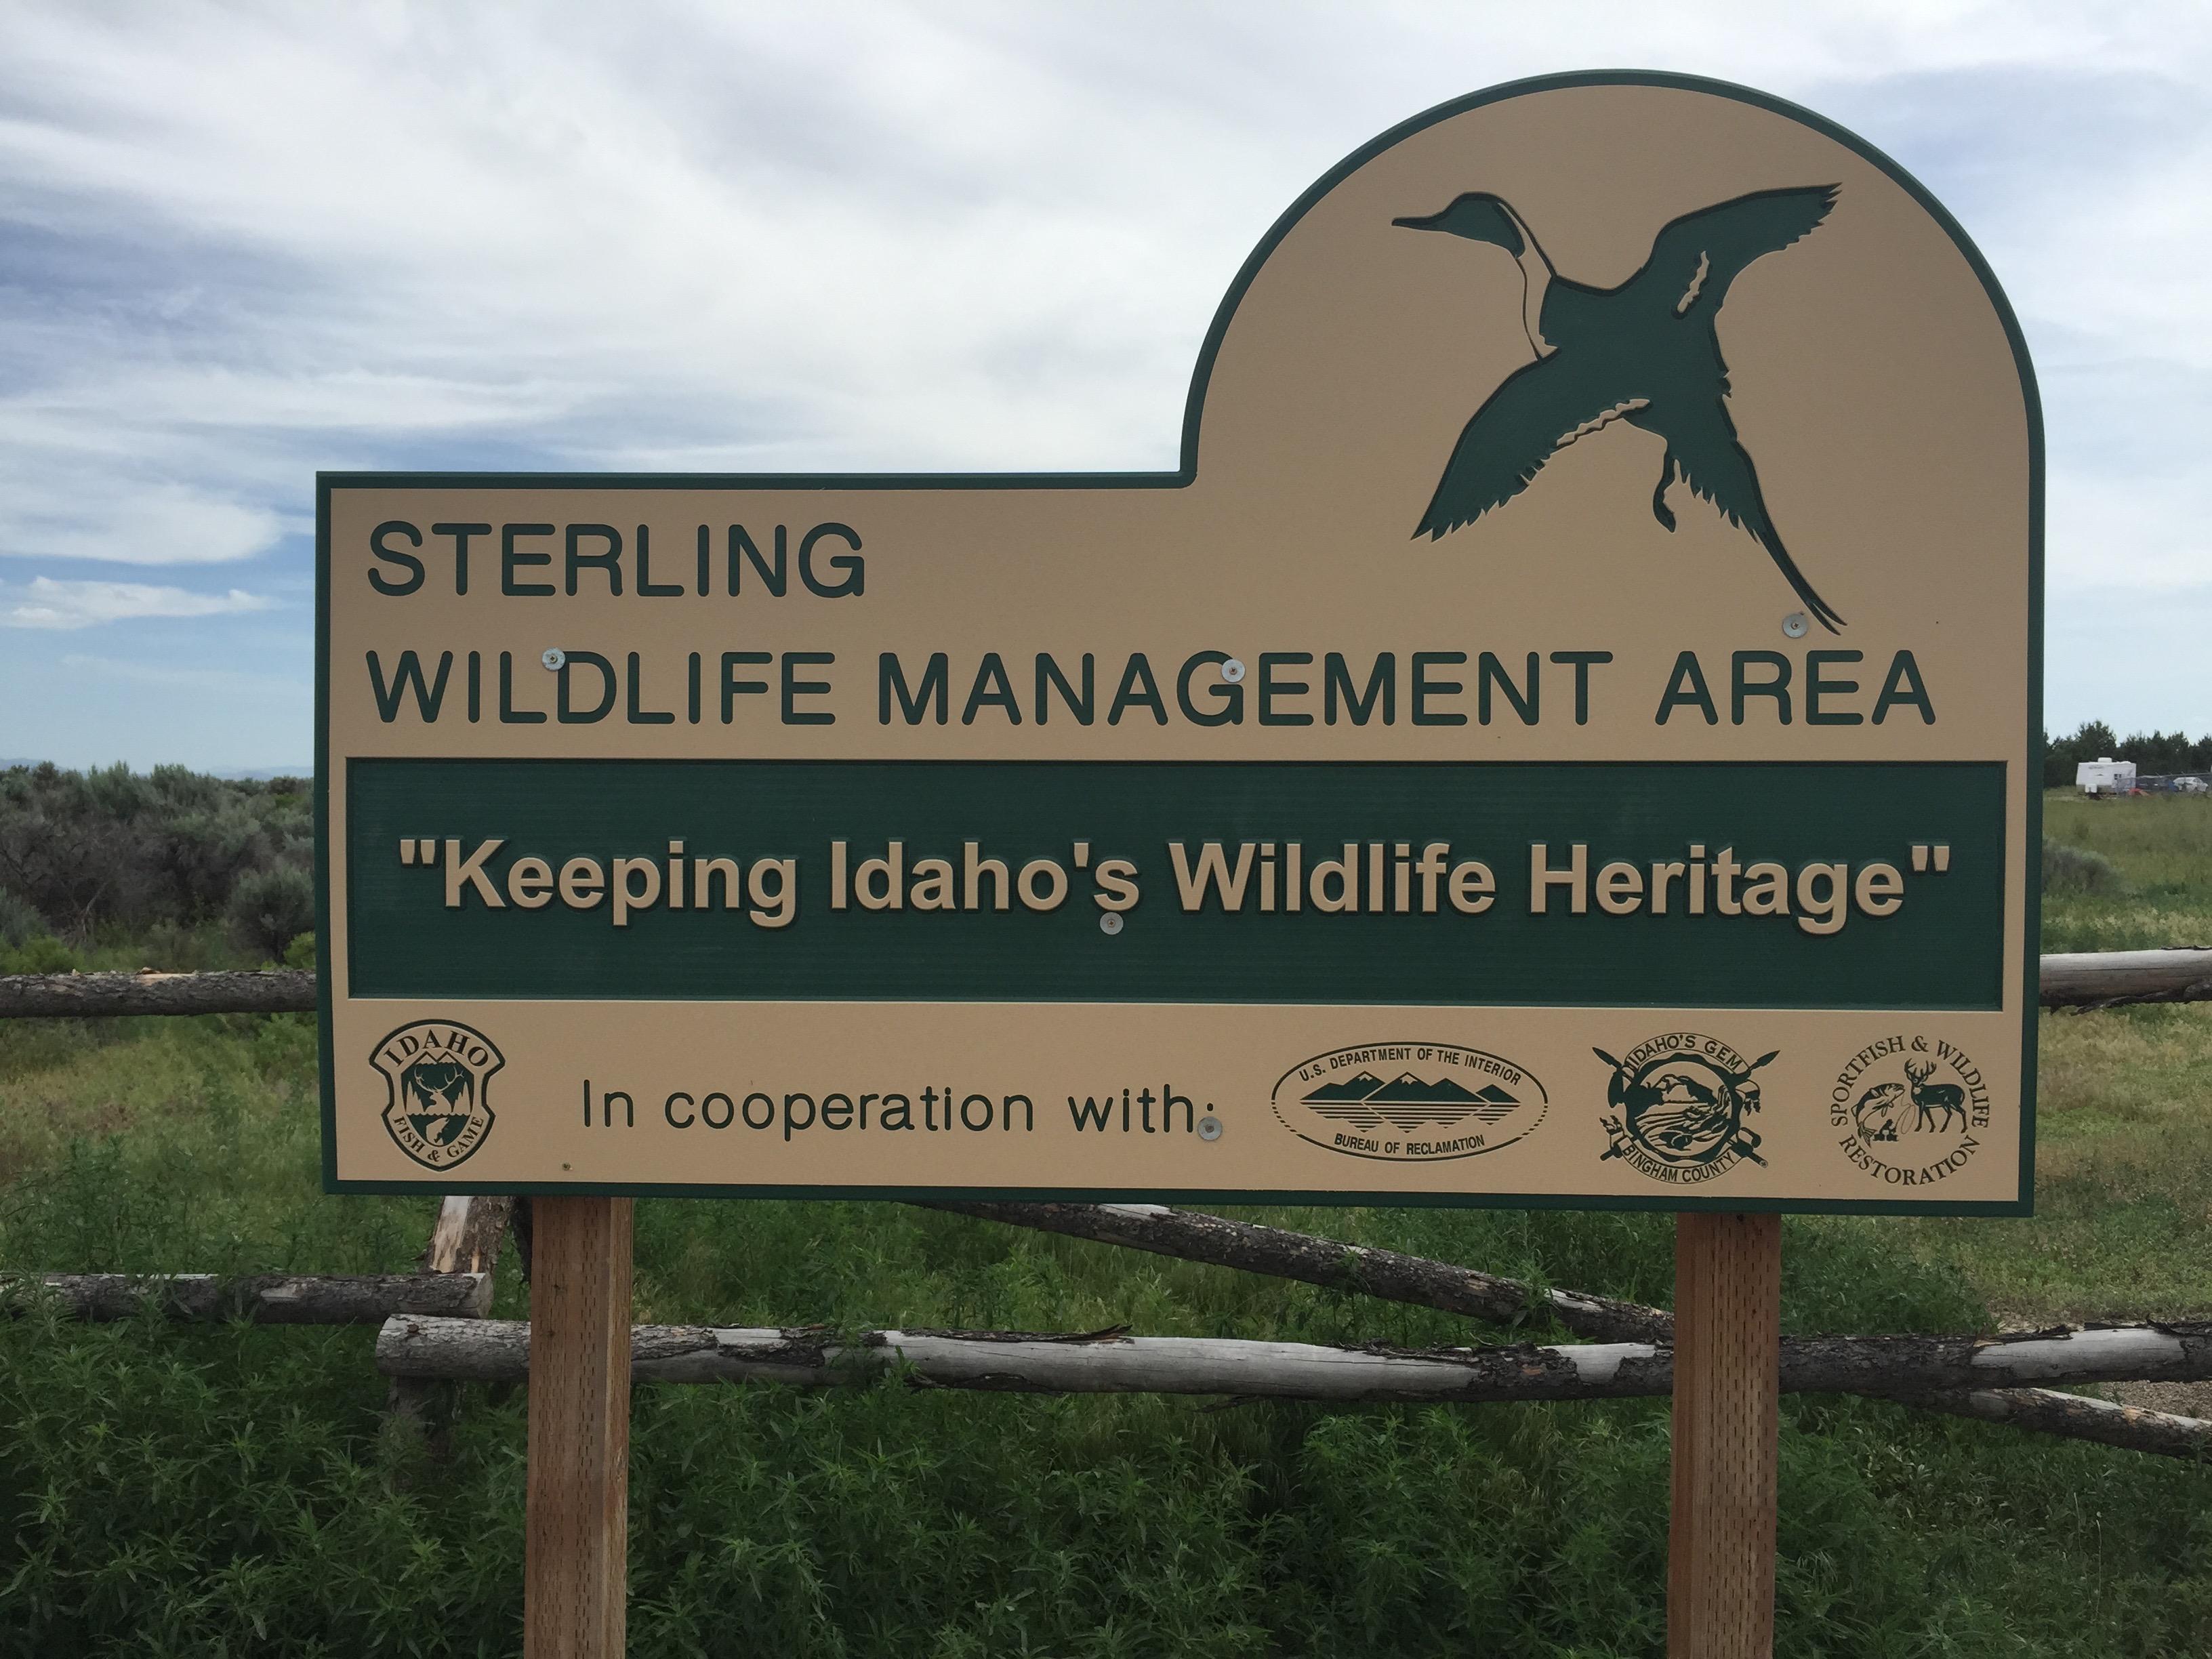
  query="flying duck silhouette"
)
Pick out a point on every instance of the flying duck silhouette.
point(1646, 352)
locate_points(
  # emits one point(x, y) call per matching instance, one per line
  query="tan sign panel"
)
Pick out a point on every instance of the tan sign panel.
point(1565, 735)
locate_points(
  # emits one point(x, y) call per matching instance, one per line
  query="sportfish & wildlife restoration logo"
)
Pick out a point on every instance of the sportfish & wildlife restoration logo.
point(1909, 1107)
point(438, 1076)
point(1409, 1103)
point(1679, 1102)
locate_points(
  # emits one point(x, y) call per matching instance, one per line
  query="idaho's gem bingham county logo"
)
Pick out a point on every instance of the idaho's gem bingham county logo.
point(438, 1076)
point(1409, 1103)
point(1679, 1102)
point(1908, 1109)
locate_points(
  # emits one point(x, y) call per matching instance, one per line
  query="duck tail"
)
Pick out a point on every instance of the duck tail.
point(1820, 610)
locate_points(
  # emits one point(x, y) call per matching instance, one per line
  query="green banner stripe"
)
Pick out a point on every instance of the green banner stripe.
point(1052, 827)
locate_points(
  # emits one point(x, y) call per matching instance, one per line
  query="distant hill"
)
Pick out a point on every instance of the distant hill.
point(1405, 1090)
point(1357, 1089)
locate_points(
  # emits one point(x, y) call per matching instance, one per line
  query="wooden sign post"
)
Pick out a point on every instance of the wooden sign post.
point(575, 1571)
point(1566, 733)
point(1728, 1358)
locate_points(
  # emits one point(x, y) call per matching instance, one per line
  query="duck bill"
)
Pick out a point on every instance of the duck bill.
point(1420, 223)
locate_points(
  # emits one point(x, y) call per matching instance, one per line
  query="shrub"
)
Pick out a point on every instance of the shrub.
point(20, 920)
point(272, 907)
point(2076, 870)
point(95, 851)
point(42, 955)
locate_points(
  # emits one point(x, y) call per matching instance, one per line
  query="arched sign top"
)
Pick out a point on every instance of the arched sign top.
point(1793, 334)
point(1566, 735)
point(1604, 80)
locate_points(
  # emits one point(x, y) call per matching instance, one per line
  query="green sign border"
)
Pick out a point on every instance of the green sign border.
point(1185, 474)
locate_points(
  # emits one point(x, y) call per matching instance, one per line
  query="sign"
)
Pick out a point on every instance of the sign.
point(1565, 734)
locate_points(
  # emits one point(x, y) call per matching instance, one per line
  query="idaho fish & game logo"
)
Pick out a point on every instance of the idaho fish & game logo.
point(1909, 1108)
point(438, 1076)
point(1678, 1104)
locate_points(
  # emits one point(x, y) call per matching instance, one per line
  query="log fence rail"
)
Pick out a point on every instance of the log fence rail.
point(435, 1328)
point(426, 1342)
point(2097, 979)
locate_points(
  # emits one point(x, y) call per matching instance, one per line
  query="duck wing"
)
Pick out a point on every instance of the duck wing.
point(1536, 411)
point(1695, 257)
point(1714, 462)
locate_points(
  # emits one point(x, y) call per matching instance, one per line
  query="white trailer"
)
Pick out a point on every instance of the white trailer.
point(2106, 777)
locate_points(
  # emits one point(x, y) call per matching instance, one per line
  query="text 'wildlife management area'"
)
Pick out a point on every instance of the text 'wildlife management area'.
point(1204, 689)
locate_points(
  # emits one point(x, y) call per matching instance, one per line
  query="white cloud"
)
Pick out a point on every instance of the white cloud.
point(980, 237)
point(126, 522)
point(239, 243)
point(193, 679)
point(48, 603)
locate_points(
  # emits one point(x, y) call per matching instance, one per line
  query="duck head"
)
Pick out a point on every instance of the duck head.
point(1479, 216)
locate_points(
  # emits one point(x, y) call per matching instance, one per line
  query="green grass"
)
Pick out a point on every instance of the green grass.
point(2124, 1178)
point(2162, 846)
point(2124, 1164)
point(176, 1491)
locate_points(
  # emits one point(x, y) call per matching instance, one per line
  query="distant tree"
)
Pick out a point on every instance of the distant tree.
point(67, 843)
point(2158, 751)
point(2093, 741)
point(111, 849)
point(2155, 753)
point(2096, 740)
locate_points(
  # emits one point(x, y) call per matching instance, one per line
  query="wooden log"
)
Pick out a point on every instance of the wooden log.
point(1194, 1236)
point(2078, 1416)
point(1417, 1280)
point(464, 1239)
point(518, 1228)
point(264, 1299)
point(274, 991)
point(467, 1235)
point(2100, 979)
point(1111, 1362)
point(2112, 979)
point(576, 1524)
point(1727, 1439)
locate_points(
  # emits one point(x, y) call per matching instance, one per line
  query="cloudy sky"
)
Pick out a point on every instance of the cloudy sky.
point(239, 243)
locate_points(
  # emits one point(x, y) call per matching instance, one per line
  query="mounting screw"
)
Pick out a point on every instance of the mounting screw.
point(1794, 624)
point(555, 657)
point(1232, 671)
point(1111, 923)
point(1209, 1127)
